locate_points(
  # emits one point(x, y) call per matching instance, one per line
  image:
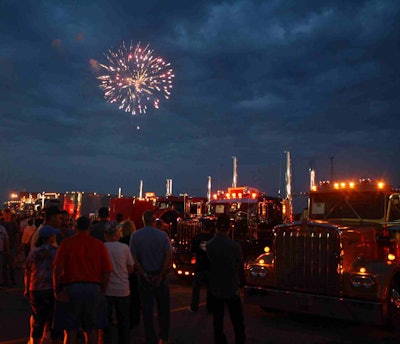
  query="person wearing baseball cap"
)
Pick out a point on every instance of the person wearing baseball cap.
point(39, 286)
point(52, 219)
point(47, 232)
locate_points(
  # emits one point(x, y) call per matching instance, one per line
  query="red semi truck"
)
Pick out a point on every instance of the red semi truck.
point(342, 261)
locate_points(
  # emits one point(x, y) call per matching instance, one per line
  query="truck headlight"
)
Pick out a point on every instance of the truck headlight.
point(258, 272)
point(367, 282)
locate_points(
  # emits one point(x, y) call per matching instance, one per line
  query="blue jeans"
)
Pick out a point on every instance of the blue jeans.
point(121, 305)
point(160, 295)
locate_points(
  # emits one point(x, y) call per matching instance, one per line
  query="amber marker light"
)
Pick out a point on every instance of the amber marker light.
point(381, 185)
point(391, 257)
point(266, 249)
point(336, 185)
point(261, 261)
point(253, 195)
point(363, 270)
point(351, 185)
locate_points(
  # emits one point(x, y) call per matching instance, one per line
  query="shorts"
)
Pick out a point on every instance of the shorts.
point(84, 309)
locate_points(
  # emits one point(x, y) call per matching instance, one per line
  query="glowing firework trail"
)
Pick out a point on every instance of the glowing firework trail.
point(134, 78)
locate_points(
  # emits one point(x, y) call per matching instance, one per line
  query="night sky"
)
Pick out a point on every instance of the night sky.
point(252, 80)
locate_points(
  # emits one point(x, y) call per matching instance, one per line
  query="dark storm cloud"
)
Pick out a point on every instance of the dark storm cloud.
point(252, 79)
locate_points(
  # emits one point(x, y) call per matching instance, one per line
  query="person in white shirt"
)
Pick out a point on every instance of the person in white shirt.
point(118, 291)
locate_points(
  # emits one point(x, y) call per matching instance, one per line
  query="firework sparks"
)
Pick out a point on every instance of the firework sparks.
point(134, 78)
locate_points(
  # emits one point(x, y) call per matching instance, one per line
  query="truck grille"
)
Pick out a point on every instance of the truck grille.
point(185, 232)
point(307, 258)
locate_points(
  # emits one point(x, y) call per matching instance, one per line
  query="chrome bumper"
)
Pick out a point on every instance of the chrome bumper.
point(333, 307)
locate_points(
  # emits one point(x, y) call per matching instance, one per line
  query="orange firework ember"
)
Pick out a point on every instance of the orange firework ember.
point(134, 78)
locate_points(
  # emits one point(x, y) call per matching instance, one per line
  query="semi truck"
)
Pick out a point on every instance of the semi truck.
point(342, 260)
point(253, 215)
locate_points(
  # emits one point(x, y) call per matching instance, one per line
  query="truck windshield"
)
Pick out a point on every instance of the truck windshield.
point(362, 205)
point(394, 214)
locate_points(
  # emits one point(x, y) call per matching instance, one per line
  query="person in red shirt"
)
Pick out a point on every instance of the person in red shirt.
point(81, 271)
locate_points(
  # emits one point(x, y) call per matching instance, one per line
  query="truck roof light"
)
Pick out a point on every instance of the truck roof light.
point(363, 270)
point(336, 185)
point(351, 184)
point(342, 185)
point(234, 195)
point(381, 185)
point(253, 195)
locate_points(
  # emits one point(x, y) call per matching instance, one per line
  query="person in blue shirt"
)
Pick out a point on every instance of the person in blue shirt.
point(151, 251)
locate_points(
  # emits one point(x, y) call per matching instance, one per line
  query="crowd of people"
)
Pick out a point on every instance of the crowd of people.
point(85, 278)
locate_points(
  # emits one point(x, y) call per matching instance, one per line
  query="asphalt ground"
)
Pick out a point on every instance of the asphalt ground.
point(185, 327)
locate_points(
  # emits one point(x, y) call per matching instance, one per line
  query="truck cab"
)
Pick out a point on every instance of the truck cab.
point(253, 216)
point(342, 261)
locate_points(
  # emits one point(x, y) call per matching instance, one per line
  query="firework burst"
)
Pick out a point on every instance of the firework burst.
point(134, 78)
